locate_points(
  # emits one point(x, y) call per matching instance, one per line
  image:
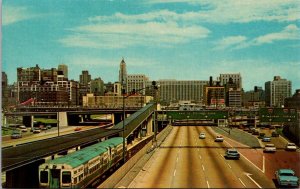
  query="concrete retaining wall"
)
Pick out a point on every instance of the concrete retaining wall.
point(121, 172)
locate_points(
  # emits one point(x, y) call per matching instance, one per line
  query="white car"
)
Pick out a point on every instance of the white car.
point(219, 139)
point(202, 135)
point(270, 148)
point(23, 128)
point(291, 147)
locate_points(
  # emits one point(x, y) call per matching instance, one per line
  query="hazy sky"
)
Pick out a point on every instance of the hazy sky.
point(175, 39)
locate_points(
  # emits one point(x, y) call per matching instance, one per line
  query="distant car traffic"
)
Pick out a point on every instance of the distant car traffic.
point(287, 177)
point(232, 153)
point(266, 139)
point(270, 148)
point(202, 136)
point(291, 147)
point(48, 126)
point(219, 139)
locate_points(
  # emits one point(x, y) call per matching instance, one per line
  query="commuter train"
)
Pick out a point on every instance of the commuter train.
point(80, 168)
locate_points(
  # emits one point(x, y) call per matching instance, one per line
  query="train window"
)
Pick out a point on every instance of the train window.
point(75, 180)
point(66, 177)
point(44, 176)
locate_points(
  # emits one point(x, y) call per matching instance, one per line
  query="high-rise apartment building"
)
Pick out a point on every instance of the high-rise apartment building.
point(236, 78)
point(276, 91)
point(122, 73)
point(63, 70)
point(136, 82)
point(175, 91)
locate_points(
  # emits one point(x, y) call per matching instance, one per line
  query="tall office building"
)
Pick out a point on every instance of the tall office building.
point(85, 78)
point(175, 91)
point(122, 73)
point(136, 82)
point(236, 78)
point(63, 70)
point(276, 91)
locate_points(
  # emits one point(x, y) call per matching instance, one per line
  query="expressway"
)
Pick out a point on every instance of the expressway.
point(185, 161)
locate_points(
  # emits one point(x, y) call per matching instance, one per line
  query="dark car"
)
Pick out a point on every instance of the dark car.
point(232, 153)
point(16, 134)
point(275, 134)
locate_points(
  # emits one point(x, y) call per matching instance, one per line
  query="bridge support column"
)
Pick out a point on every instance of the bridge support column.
point(62, 119)
point(27, 121)
point(149, 126)
point(32, 121)
point(112, 118)
point(5, 121)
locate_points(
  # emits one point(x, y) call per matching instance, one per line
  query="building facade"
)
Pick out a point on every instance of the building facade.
point(276, 91)
point(137, 82)
point(97, 87)
point(63, 70)
point(236, 78)
point(294, 101)
point(175, 91)
point(254, 98)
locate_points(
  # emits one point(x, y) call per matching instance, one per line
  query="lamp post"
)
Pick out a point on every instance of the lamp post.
point(124, 97)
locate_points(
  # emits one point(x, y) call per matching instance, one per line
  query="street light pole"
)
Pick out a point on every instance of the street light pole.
point(123, 133)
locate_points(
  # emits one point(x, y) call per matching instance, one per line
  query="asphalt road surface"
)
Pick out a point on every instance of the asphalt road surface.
point(185, 161)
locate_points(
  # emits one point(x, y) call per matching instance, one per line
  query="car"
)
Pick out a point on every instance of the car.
point(287, 177)
point(232, 153)
point(255, 132)
point(36, 130)
point(266, 139)
point(202, 135)
point(23, 128)
point(16, 134)
point(77, 129)
point(291, 147)
point(275, 134)
point(219, 139)
point(261, 135)
point(270, 148)
point(48, 126)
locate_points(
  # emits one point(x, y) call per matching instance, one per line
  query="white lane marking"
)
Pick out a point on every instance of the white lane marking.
point(246, 158)
point(174, 172)
point(229, 165)
point(200, 156)
point(203, 168)
point(207, 184)
point(263, 164)
point(249, 176)
point(242, 182)
point(177, 159)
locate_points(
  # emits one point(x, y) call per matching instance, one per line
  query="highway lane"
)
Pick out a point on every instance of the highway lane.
point(185, 161)
point(30, 137)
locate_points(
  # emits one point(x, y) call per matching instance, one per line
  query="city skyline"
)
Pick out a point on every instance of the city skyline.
point(188, 40)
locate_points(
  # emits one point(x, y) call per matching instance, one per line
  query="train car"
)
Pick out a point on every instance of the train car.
point(80, 168)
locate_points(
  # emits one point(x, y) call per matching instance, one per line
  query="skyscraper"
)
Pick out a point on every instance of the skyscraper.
point(123, 73)
point(276, 91)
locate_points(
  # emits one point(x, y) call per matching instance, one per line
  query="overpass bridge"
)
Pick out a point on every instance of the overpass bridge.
point(20, 163)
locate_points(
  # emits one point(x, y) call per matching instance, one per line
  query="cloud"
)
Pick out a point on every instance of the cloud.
point(229, 42)
point(162, 28)
point(233, 11)
point(290, 32)
point(13, 14)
